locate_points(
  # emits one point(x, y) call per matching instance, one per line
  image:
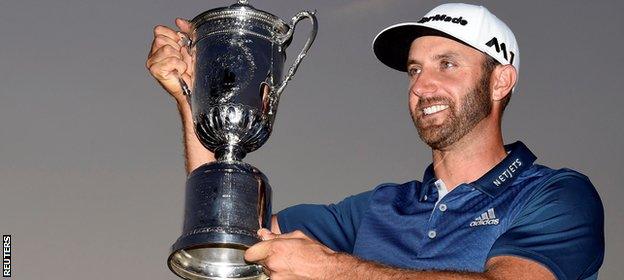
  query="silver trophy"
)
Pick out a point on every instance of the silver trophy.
point(238, 60)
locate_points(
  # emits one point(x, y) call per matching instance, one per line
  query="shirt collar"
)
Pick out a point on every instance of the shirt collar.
point(518, 159)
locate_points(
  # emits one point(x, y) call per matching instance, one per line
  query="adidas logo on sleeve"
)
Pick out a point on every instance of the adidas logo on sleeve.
point(488, 218)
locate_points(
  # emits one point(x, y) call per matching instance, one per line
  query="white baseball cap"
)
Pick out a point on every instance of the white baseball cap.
point(473, 25)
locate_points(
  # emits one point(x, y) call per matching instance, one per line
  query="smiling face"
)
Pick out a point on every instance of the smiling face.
point(449, 91)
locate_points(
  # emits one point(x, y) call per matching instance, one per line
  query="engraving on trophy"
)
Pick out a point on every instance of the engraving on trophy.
point(231, 72)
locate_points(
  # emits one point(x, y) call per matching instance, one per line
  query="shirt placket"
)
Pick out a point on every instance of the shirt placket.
point(438, 215)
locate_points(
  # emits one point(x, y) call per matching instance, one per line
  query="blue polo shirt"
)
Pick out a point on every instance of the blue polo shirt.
point(554, 217)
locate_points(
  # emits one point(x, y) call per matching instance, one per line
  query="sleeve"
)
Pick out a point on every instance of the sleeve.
point(334, 225)
point(561, 227)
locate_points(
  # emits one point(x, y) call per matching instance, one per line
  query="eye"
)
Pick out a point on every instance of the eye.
point(413, 71)
point(445, 64)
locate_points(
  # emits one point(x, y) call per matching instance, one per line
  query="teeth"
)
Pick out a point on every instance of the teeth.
point(434, 109)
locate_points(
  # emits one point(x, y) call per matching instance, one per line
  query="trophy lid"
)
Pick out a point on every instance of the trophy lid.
point(242, 11)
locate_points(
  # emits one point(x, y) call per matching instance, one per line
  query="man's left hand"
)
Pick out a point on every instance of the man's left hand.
point(291, 256)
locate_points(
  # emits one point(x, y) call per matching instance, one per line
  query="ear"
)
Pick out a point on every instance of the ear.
point(504, 78)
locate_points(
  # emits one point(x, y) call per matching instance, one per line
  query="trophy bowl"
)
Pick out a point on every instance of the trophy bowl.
point(238, 56)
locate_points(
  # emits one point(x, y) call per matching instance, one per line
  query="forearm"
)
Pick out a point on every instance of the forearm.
point(347, 267)
point(294, 255)
point(194, 152)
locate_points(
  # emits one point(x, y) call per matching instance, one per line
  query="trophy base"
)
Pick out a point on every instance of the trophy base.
point(226, 203)
point(215, 263)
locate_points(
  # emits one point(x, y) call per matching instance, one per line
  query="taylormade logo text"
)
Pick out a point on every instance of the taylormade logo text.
point(458, 20)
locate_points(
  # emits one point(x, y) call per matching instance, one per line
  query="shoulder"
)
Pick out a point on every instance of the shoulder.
point(357, 201)
point(386, 187)
point(562, 194)
point(562, 186)
point(390, 191)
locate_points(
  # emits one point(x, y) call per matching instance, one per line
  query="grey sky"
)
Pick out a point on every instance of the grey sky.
point(91, 154)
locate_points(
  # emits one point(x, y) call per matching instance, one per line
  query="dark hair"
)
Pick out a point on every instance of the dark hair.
point(488, 67)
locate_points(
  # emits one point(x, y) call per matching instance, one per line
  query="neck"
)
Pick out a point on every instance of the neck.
point(470, 157)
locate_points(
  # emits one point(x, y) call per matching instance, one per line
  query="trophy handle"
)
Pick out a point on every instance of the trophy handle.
point(288, 36)
point(186, 91)
point(185, 88)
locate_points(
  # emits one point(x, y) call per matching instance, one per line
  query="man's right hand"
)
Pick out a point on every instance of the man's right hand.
point(168, 59)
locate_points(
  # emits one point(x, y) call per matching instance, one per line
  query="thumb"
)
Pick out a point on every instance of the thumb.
point(258, 252)
point(184, 25)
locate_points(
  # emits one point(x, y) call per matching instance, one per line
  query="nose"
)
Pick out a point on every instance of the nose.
point(423, 84)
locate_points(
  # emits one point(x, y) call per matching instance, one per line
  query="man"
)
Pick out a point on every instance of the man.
point(482, 211)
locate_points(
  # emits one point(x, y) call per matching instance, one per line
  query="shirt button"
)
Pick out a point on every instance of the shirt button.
point(432, 234)
point(442, 207)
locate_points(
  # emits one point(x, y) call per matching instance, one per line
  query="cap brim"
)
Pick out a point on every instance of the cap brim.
point(392, 45)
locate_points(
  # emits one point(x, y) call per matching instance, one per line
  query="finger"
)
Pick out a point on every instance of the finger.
point(161, 41)
point(188, 59)
point(163, 70)
point(258, 252)
point(166, 31)
point(294, 234)
point(184, 25)
point(163, 53)
point(266, 234)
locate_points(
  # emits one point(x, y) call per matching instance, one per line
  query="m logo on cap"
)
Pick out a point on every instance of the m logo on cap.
point(501, 47)
point(458, 20)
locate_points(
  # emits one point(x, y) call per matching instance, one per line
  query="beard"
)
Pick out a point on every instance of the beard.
point(475, 106)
